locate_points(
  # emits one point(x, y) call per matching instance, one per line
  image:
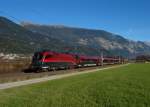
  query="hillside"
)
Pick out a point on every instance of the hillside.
point(16, 39)
point(96, 39)
point(26, 38)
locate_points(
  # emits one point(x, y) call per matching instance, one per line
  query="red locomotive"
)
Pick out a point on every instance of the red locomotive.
point(49, 60)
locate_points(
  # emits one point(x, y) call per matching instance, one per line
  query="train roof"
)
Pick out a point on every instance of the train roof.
point(49, 52)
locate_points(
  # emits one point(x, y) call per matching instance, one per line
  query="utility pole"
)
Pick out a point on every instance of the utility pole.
point(119, 58)
point(102, 58)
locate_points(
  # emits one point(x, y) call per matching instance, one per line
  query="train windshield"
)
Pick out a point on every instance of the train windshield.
point(37, 56)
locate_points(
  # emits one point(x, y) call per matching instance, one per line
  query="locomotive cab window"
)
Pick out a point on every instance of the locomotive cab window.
point(38, 56)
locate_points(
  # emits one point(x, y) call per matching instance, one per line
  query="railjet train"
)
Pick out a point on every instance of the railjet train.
point(49, 60)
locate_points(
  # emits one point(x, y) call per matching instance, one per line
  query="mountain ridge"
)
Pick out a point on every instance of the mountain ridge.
point(107, 40)
point(27, 38)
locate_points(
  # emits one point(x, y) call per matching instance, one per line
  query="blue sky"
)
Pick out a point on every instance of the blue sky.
point(129, 18)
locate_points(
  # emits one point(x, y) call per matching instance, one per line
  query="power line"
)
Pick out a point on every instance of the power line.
point(12, 17)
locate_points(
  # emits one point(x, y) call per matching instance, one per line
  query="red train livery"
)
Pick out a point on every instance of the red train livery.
point(49, 60)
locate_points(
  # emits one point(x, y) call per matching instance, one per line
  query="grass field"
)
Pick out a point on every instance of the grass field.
point(127, 86)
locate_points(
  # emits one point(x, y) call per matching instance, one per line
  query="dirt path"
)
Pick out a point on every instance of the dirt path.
point(37, 80)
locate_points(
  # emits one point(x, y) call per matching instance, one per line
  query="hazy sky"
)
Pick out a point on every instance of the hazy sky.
point(129, 18)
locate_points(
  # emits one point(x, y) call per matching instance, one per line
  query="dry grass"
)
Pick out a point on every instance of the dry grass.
point(14, 65)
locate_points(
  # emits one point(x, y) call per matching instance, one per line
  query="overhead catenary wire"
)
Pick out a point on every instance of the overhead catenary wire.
point(4, 13)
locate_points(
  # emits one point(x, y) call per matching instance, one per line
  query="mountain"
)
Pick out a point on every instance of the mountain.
point(26, 38)
point(17, 39)
point(94, 39)
point(147, 43)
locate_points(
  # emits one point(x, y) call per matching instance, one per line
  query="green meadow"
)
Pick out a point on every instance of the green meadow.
point(127, 86)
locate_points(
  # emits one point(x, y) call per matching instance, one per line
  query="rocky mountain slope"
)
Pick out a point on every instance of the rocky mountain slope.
point(26, 38)
point(97, 39)
point(17, 39)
